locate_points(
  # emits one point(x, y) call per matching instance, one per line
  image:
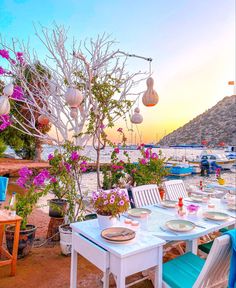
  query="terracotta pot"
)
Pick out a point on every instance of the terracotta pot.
point(57, 208)
point(26, 239)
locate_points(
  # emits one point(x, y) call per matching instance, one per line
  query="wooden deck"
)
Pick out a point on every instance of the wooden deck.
point(10, 167)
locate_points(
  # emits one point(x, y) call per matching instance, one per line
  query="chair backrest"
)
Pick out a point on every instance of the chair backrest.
point(3, 188)
point(175, 189)
point(145, 195)
point(216, 268)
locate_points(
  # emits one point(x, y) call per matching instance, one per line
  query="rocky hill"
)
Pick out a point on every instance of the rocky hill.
point(217, 124)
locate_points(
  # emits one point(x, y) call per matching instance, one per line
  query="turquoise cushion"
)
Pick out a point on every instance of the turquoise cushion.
point(223, 230)
point(182, 272)
point(206, 247)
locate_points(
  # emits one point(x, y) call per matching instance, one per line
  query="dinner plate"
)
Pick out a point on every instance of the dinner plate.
point(231, 207)
point(169, 203)
point(138, 212)
point(215, 215)
point(118, 234)
point(180, 225)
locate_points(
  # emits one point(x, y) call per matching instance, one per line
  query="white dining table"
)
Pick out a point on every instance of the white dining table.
point(121, 259)
point(160, 215)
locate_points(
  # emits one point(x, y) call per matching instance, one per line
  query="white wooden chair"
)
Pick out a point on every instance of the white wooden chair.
point(145, 195)
point(149, 195)
point(175, 189)
point(190, 270)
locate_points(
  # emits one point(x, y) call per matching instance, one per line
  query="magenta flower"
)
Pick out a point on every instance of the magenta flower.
point(147, 154)
point(50, 157)
point(102, 126)
point(2, 71)
point(21, 181)
point(143, 161)
point(53, 180)
point(25, 172)
point(67, 166)
point(116, 150)
point(41, 178)
point(17, 93)
point(154, 156)
point(19, 57)
point(120, 130)
point(133, 171)
point(4, 54)
point(4, 122)
point(74, 156)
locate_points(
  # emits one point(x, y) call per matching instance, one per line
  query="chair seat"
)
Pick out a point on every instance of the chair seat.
point(206, 247)
point(182, 271)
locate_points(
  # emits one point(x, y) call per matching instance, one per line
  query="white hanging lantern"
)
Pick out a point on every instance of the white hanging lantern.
point(43, 120)
point(74, 113)
point(4, 105)
point(136, 118)
point(8, 89)
point(73, 97)
point(150, 97)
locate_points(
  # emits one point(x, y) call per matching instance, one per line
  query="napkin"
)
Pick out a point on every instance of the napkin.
point(232, 270)
point(3, 188)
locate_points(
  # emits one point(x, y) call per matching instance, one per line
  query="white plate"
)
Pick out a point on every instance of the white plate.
point(138, 212)
point(215, 215)
point(180, 225)
point(169, 203)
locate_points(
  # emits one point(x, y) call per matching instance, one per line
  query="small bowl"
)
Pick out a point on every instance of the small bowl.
point(192, 209)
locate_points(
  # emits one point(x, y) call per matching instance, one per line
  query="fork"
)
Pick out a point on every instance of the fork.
point(168, 231)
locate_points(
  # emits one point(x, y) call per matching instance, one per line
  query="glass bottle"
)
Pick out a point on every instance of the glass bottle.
point(181, 211)
point(12, 205)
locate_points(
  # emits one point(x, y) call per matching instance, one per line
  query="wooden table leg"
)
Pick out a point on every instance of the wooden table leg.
point(15, 248)
point(1, 233)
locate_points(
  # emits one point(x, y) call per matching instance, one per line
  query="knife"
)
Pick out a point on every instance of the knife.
point(168, 231)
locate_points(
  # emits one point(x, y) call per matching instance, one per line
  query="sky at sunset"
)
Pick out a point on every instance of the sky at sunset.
point(192, 43)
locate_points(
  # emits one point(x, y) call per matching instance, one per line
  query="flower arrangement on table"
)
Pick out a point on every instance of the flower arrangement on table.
point(112, 203)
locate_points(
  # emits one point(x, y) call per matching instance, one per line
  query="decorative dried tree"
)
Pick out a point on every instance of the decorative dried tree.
point(93, 67)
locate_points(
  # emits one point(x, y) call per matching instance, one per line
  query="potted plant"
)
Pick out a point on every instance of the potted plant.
point(34, 188)
point(67, 165)
point(109, 205)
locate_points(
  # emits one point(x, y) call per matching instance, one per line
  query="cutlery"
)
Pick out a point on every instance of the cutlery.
point(210, 221)
point(159, 206)
point(200, 226)
point(116, 234)
point(168, 231)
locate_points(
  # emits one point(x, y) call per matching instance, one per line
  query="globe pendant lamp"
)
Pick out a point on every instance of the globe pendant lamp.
point(136, 118)
point(4, 105)
point(73, 97)
point(43, 120)
point(150, 97)
point(8, 89)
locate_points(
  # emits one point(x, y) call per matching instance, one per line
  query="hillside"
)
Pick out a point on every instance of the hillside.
point(217, 124)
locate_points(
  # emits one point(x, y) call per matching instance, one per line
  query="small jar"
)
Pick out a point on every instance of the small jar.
point(211, 205)
point(135, 225)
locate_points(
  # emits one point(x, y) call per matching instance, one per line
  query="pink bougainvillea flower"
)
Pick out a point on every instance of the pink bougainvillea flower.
point(50, 157)
point(116, 150)
point(4, 54)
point(25, 172)
point(102, 126)
point(4, 122)
point(17, 93)
point(147, 154)
point(21, 182)
point(74, 156)
point(154, 156)
point(2, 71)
point(53, 180)
point(41, 178)
point(19, 57)
point(67, 166)
point(120, 130)
point(143, 161)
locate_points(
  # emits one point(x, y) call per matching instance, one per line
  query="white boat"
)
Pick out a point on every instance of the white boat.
point(230, 152)
point(219, 158)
